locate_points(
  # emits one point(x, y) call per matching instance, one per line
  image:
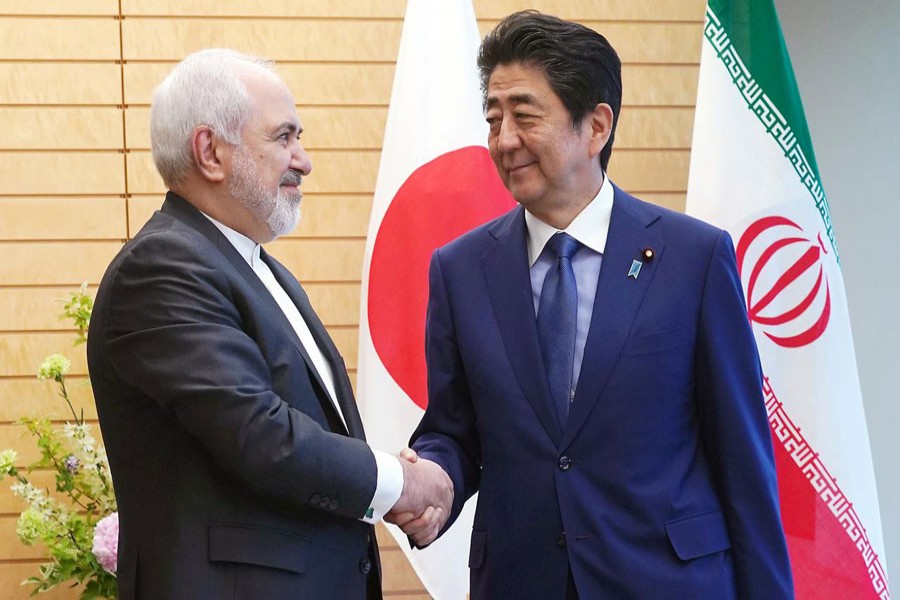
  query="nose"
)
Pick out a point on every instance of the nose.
point(300, 160)
point(508, 136)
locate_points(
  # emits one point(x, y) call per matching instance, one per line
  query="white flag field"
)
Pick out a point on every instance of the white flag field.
point(753, 173)
point(435, 182)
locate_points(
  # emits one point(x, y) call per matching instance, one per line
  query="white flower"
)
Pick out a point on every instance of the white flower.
point(30, 526)
point(80, 433)
point(54, 367)
point(7, 461)
point(32, 495)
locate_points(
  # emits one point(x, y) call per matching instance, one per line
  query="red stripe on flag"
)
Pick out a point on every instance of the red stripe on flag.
point(831, 556)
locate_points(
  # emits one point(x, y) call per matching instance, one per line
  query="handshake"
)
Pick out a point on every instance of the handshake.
point(425, 502)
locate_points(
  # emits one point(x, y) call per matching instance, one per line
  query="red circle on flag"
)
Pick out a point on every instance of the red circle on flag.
point(438, 202)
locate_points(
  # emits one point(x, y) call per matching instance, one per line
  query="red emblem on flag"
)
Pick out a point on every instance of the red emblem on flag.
point(785, 282)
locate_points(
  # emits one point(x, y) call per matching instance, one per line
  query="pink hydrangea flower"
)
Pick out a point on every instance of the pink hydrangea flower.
point(106, 542)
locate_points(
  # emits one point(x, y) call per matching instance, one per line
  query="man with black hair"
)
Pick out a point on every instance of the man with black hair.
point(591, 368)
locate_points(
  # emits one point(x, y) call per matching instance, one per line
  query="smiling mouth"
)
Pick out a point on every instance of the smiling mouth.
point(519, 168)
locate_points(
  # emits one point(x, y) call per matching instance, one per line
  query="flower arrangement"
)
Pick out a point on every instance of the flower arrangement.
point(77, 522)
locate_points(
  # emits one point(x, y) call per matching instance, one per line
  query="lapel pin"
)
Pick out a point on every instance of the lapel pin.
point(635, 269)
point(648, 254)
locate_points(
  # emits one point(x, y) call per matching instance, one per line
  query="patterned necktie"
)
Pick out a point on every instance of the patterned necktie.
point(556, 322)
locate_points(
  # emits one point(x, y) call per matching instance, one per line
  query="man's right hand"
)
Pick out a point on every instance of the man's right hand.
point(425, 503)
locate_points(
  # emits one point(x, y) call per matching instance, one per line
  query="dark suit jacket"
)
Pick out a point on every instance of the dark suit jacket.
point(234, 475)
point(662, 483)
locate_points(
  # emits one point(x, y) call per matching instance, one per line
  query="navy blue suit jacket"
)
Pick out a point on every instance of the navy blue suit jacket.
point(234, 474)
point(662, 482)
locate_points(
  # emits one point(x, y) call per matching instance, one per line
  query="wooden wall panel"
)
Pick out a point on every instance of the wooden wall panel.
point(672, 200)
point(641, 171)
point(59, 39)
point(55, 263)
point(62, 218)
point(60, 83)
point(659, 85)
point(398, 576)
point(24, 396)
point(35, 308)
point(24, 352)
point(610, 10)
point(60, 128)
point(282, 39)
point(326, 215)
point(335, 303)
point(15, 551)
point(14, 572)
point(636, 42)
point(321, 260)
point(77, 178)
point(267, 8)
point(654, 127)
point(60, 173)
point(346, 338)
point(55, 8)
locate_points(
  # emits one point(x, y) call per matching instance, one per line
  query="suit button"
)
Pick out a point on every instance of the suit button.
point(333, 505)
point(561, 540)
point(315, 499)
point(365, 566)
point(564, 463)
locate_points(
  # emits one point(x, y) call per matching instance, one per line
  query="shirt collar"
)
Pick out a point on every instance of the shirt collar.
point(247, 248)
point(590, 227)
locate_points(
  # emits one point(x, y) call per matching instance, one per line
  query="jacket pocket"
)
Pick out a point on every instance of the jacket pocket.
point(659, 341)
point(258, 546)
point(699, 535)
point(476, 550)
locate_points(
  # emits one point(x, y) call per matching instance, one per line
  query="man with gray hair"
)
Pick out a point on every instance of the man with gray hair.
point(236, 448)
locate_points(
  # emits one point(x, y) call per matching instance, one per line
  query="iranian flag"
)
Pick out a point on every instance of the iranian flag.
point(754, 174)
point(435, 182)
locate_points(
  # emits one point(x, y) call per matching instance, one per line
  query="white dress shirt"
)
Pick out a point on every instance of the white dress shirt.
point(590, 227)
point(389, 483)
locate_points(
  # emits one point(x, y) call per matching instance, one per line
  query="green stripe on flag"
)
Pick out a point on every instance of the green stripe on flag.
point(748, 40)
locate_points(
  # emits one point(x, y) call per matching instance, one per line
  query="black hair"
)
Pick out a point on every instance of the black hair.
point(581, 66)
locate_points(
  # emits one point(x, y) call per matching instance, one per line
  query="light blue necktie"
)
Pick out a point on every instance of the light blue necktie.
point(556, 322)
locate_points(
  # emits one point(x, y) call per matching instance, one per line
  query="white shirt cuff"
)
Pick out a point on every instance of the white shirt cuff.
point(388, 487)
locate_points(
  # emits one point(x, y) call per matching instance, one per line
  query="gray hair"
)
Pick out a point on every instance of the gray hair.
point(203, 89)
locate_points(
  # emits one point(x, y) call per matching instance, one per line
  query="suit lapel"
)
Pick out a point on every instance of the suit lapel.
point(182, 210)
point(616, 303)
point(509, 287)
point(179, 208)
point(342, 388)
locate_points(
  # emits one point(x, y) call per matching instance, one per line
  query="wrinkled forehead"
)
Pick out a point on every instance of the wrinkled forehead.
point(516, 84)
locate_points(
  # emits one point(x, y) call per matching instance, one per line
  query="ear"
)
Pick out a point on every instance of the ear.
point(601, 121)
point(209, 150)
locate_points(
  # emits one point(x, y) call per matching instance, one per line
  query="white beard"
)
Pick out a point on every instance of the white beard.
point(280, 211)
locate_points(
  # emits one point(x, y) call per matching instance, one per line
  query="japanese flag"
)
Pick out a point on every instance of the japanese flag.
point(435, 182)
